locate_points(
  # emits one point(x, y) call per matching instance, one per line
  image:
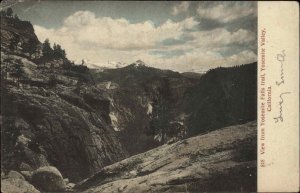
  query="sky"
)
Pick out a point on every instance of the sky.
point(178, 35)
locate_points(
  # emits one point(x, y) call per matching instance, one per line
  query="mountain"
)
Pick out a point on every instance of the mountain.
point(83, 120)
point(146, 104)
point(181, 106)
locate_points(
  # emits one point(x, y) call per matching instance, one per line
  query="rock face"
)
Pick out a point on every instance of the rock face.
point(222, 97)
point(222, 160)
point(75, 138)
point(48, 178)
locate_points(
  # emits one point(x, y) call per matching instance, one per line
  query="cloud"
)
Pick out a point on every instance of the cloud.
point(169, 53)
point(180, 8)
point(84, 28)
point(105, 41)
point(212, 39)
point(227, 11)
point(220, 37)
point(184, 38)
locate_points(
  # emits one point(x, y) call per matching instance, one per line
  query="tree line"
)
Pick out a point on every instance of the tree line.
point(52, 53)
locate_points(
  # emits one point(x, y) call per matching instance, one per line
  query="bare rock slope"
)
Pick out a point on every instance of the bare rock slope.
point(222, 160)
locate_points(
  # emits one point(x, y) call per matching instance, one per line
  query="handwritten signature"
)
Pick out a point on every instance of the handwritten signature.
point(281, 58)
point(280, 103)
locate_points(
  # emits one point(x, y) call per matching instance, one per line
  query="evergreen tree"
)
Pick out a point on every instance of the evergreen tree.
point(16, 17)
point(9, 12)
point(6, 61)
point(63, 54)
point(55, 51)
point(18, 71)
point(47, 51)
point(54, 46)
point(3, 13)
point(58, 52)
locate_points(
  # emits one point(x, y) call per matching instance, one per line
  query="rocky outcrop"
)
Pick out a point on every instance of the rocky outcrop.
point(18, 36)
point(15, 182)
point(222, 160)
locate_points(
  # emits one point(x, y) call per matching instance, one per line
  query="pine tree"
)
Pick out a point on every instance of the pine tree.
point(58, 52)
point(47, 51)
point(18, 71)
point(55, 51)
point(6, 61)
point(3, 13)
point(16, 17)
point(9, 12)
point(63, 54)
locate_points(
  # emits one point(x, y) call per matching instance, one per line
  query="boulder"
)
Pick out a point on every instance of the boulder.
point(48, 178)
point(15, 175)
point(17, 185)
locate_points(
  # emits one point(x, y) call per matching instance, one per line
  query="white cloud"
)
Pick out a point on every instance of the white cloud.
point(85, 29)
point(226, 12)
point(220, 37)
point(104, 41)
point(180, 8)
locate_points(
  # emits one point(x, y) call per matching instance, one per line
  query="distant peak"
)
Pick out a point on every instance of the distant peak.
point(139, 63)
point(120, 64)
